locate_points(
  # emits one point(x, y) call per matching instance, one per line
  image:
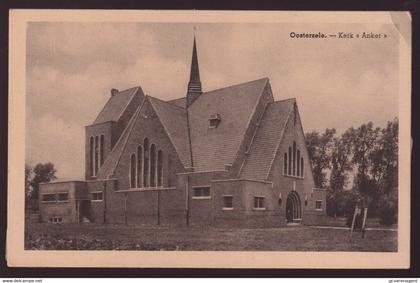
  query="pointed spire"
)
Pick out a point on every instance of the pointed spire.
point(194, 85)
point(195, 72)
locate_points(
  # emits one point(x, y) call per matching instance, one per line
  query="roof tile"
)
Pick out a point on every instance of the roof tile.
point(116, 105)
point(264, 146)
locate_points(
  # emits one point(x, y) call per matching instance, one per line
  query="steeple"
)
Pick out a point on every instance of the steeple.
point(194, 85)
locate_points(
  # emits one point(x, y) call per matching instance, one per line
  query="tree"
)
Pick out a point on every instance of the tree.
point(384, 158)
point(319, 150)
point(340, 166)
point(28, 175)
point(43, 173)
point(340, 162)
point(384, 170)
point(364, 141)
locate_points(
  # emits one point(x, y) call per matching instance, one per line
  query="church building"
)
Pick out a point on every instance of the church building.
point(230, 157)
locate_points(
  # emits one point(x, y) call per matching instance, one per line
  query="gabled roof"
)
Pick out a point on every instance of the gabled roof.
point(111, 162)
point(269, 135)
point(213, 148)
point(116, 105)
point(174, 121)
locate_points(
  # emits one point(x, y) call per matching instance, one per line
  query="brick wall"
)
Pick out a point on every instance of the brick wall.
point(200, 209)
point(303, 186)
point(243, 213)
point(63, 209)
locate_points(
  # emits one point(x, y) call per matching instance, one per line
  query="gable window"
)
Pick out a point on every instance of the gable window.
point(91, 158)
point(214, 120)
point(48, 197)
point(294, 158)
point(298, 163)
point(101, 150)
point(201, 193)
point(63, 196)
point(293, 162)
point(153, 166)
point(97, 196)
point(169, 171)
point(139, 166)
point(285, 164)
point(146, 162)
point(259, 203)
point(301, 166)
point(159, 168)
point(133, 171)
point(227, 202)
point(96, 155)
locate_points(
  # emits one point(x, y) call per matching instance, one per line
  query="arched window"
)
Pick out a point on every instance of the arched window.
point(101, 150)
point(159, 168)
point(298, 163)
point(294, 158)
point(96, 155)
point(169, 170)
point(139, 166)
point(153, 165)
point(285, 164)
point(146, 163)
point(91, 158)
point(290, 161)
point(133, 171)
point(301, 166)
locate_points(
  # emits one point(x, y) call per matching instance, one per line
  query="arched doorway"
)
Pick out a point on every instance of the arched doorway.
point(293, 207)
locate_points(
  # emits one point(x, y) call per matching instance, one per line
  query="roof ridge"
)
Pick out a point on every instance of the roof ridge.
point(176, 99)
point(283, 100)
point(235, 85)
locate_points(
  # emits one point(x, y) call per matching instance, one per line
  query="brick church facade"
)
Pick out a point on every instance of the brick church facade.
point(228, 157)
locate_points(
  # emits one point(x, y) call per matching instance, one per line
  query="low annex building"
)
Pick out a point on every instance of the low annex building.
point(230, 157)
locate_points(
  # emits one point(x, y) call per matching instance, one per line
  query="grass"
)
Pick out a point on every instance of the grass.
point(137, 237)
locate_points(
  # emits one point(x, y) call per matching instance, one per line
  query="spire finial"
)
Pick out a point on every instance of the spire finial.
point(194, 85)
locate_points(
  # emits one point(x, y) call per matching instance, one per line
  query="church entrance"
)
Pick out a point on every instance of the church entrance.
point(293, 208)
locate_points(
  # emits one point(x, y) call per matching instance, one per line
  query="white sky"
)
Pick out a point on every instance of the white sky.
point(71, 68)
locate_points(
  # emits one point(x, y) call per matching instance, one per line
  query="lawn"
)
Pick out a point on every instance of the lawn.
point(137, 237)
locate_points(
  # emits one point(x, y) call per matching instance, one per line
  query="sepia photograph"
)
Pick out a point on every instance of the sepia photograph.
point(265, 133)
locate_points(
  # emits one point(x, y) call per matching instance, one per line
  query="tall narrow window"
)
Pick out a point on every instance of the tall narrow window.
point(285, 164)
point(96, 155)
point(153, 165)
point(159, 168)
point(133, 171)
point(146, 162)
point(290, 161)
point(91, 154)
point(298, 163)
point(169, 170)
point(139, 166)
point(101, 147)
point(301, 166)
point(294, 158)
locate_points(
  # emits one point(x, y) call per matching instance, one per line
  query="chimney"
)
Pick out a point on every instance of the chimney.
point(114, 91)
